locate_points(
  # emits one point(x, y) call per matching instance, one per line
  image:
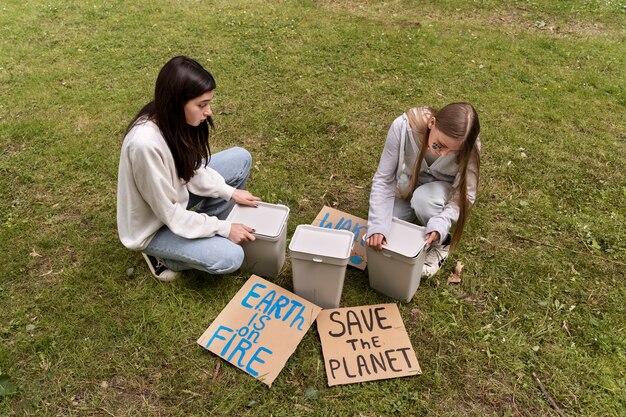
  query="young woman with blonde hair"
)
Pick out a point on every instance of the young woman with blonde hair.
point(428, 174)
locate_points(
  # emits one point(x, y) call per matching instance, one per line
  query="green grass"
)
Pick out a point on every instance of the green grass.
point(310, 88)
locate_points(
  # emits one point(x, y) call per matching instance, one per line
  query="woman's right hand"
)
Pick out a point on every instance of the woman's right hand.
point(376, 241)
point(240, 233)
point(245, 198)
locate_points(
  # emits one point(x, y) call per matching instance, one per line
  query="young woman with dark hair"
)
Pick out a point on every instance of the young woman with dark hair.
point(173, 196)
point(428, 174)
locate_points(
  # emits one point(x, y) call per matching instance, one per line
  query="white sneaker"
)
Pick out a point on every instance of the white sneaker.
point(159, 270)
point(435, 257)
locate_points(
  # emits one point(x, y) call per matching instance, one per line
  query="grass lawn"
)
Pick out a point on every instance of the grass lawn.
point(310, 88)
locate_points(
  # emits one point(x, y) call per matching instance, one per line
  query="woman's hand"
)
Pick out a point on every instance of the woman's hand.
point(245, 198)
point(376, 241)
point(432, 237)
point(240, 233)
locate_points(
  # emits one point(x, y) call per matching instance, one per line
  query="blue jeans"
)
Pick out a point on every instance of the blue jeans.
point(216, 254)
point(428, 201)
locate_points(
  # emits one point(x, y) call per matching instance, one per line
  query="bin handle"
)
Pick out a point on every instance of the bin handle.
point(318, 260)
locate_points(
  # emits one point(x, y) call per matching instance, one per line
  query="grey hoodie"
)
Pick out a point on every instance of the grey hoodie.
point(385, 182)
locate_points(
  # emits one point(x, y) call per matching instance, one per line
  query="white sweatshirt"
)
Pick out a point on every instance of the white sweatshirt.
point(385, 182)
point(150, 194)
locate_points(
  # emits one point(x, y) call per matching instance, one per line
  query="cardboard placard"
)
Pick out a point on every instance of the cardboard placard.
point(365, 343)
point(331, 218)
point(260, 328)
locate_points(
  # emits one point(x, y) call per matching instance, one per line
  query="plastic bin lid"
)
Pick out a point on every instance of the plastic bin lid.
point(267, 219)
point(406, 239)
point(321, 241)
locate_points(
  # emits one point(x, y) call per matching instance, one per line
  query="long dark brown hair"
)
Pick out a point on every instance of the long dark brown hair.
point(459, 121)
point(180, 80)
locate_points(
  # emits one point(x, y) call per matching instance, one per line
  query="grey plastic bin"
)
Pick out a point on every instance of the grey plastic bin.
point(396, 271)
point(319, 257)
point(264, 256)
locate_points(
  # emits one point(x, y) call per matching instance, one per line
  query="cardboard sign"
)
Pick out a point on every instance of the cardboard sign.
point(365, 343)
point(335, 219)
point(259, 328)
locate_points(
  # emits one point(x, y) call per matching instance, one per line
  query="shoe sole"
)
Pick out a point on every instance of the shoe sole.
point(154, 274)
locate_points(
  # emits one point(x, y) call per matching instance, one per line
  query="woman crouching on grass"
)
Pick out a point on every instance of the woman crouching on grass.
point(428, 174)
point(172, 194)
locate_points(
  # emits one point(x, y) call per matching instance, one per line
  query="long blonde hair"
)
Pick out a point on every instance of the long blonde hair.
point(459, 121)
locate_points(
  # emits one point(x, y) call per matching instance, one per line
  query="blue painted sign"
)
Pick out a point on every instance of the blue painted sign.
point(331, 218)
point(260, 328)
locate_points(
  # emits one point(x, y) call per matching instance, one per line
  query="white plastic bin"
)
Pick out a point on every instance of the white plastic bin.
point(319, 257)
point(264, 256)
point(396, 271)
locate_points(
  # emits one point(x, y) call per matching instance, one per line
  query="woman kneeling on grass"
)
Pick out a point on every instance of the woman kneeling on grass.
point(428, 173)
point(172, 195)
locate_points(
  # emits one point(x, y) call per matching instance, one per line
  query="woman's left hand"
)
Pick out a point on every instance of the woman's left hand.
point(245, 198)
point(432, 237)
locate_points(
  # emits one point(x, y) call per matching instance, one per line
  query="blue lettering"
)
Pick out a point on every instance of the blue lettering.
point(252, 294)
point(254, 334)
point(294, 304)
point(344, 225)
point(252, 319)
point(240, 348)
point(357, 232)
point(328, 225)
point(261, 324)
point(299, 318)
point(280, 303)
point(268, 299)
point(243, 331)
point(216, 335)
point(227, 345)
point(255, 358)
